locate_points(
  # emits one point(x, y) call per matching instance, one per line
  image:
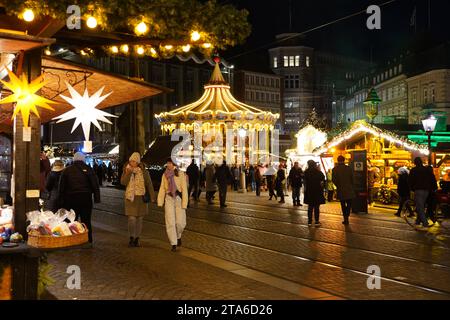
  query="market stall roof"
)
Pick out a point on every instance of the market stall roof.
point(360, 127)
point(57, 72)
point(217, 105)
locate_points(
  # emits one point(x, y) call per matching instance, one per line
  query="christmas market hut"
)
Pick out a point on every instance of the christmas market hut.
point(383, 153)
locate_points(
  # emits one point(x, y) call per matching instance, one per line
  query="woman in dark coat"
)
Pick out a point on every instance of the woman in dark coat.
point(314, 184)
point(52, 186)
point(403, 192)
point(281, 176)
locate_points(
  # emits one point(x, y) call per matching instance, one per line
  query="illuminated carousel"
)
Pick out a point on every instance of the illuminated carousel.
point(218, 117)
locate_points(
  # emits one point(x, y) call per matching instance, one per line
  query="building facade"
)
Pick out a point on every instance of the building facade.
point(262, 90)
point(409, 87)
point(311, 80)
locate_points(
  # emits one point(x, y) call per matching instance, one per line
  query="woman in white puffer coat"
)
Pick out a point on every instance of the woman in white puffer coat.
point(173, 195)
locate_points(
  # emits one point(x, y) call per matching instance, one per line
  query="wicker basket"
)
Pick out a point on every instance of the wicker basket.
point(43, 241)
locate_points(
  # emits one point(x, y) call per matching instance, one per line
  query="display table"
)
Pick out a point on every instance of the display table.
point(19, 270)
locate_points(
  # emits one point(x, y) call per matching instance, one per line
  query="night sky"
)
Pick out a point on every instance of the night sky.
point(350, 37)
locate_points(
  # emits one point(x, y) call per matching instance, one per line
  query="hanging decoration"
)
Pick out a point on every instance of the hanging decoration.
point(25, 98)
point(85, 112)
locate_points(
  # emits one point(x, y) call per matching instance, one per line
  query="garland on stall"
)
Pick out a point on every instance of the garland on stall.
point(384, 194)
point(44, 279)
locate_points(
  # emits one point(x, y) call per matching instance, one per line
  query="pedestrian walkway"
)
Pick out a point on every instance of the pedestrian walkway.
point(272, 241)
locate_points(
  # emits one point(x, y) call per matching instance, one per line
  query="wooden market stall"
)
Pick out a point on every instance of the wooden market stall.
point(386, 152)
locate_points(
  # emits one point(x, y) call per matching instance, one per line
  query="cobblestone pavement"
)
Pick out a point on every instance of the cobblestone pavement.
point(274, 240)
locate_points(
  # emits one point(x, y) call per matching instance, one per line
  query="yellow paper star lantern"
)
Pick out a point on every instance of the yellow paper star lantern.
point(25, 97)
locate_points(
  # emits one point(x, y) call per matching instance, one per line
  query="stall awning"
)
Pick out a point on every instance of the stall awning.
point(57, 72)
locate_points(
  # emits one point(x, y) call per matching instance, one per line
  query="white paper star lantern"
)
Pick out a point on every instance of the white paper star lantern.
point(85, 112)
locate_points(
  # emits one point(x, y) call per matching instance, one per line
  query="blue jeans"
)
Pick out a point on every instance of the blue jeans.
point(420, 198)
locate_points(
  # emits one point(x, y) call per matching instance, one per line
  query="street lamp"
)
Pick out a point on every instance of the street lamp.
point(429, 124)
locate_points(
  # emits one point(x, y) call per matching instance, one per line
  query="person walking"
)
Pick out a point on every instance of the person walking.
point(281, 177)
point(296, 181)
point(431, 200)
point(403, 192)
point(421, 182)
point(314, 189)
point(77, 184)
point(270, 178)
point(173, 195)
point(193, 173)
point(235, 173)
point(110, 172)
point(251, 178)
point(138, 193)
point(52, 187)
point(373, 176)
point(342, 177)
point(100, 174)
point(223, 177)
point(210, 182)
point(258, 180)
point(330, 185)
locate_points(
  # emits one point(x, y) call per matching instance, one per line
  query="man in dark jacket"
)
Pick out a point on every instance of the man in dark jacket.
point(193, 173)
point(421, 182)
point(342, 176)
point(223, 177)
point(77, 184)
point(296, 180)
point(280, 177)
point(403, 191)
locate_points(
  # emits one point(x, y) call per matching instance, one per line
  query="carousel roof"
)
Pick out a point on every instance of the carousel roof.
point(361, 127)
point(216, 105)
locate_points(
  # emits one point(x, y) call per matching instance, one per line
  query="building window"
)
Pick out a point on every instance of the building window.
point(278, 83)
point(275, 62)
point(400, 68)
point(286, 61)
point(307, 61)
point(291, 61)
point(425, 95)
point(414, 98)
point(297, 61)
point(247, 79)
point(257, 95)
point(433, 95)
point(395, 70)
point(272, 83)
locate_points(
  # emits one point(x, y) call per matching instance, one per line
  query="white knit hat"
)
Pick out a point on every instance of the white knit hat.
point(136, 157)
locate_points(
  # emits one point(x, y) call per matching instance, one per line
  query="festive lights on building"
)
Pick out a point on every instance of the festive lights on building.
point(186, 48)
point(28, 15)
point(140, 50)
point(195, 36)
point(141, 28)
point(168, 47)
point(47, 52)
point(114, 49)
point(91, 22)
point(25, 97)
point(207, 45)
point(362, 127)
point(124, 48)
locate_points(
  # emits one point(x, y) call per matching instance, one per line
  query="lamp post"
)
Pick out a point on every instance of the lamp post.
point(429, 124)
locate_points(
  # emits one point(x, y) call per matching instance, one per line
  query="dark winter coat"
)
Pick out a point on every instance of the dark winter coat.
point(79, 179)
point(52, 187)
point(421, 178)
point(314, 184)
point(342, 177)
point(193, 173)
point(296, 177)
point(281, 176)
point(223, 175)
point(403, 185)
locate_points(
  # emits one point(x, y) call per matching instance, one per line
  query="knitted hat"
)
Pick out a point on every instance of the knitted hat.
point(79, 156)
point(135, 157)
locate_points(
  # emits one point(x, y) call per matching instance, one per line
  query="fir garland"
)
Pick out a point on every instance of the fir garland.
point(222, 25)
point(384, 194)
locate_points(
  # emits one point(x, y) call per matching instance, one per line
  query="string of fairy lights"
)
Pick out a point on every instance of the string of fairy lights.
point(197, 40)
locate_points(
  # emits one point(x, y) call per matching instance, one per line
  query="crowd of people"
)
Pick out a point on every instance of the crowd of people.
point(77, 187)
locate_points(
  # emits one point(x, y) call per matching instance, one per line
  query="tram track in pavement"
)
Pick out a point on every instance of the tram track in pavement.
point(325, 276)
point(206, 217)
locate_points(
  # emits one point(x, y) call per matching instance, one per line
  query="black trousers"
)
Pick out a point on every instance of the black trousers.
point(258, 188)
point(82, 205)
point(431, 206)
point(316, 209)
point(209, 196)
point(223, 194)
point(330, 194)
point(280, 193)
point(235, 184)
point(296, 195)
point(403, 202)
point(271, 191)
point(193, 186)
point(346, 206)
